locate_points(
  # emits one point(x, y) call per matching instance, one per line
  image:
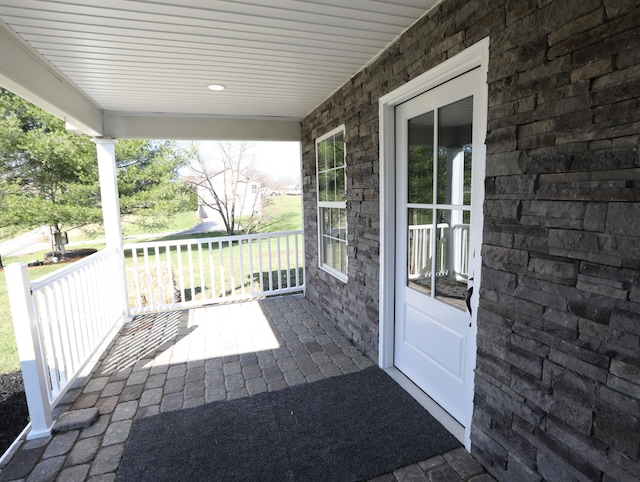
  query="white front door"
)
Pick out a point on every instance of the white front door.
point(439, 195)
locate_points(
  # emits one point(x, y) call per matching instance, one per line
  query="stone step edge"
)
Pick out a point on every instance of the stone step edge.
point(76, 419)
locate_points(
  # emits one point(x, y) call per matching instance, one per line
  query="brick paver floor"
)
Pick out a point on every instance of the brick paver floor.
point(169, 361)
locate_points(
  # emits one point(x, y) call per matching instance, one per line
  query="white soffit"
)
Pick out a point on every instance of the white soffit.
point(278, 59)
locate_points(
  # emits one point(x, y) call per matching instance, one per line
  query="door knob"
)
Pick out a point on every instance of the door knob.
point(467, 298)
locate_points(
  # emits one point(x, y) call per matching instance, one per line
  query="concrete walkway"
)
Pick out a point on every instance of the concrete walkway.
point(176, 360)
point(27, 243)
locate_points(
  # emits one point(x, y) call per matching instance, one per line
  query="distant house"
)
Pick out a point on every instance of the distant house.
point(293, 190)
point(235, 192)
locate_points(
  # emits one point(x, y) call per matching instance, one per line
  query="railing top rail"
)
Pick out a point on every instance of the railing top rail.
point(218, 239)
point(67, 270)
point(428, 226)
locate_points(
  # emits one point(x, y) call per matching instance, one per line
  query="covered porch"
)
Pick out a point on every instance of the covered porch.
point(544, 382)
point(274, 77)
point(176, 360)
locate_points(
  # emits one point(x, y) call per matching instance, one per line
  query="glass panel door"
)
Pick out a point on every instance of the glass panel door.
point(439, 202)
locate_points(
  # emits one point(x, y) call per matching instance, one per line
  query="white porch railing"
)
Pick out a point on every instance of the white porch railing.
point(60, 321)
point(460, 237)
point(193, 272)
point(421, 250)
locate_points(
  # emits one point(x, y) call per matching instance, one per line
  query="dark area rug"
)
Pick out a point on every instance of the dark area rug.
point(346, 428)
point(14, 414)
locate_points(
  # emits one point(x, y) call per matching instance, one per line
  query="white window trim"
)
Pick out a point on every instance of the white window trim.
point(329, 204)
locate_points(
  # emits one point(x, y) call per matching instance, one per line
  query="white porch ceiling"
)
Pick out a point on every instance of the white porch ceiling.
point(137, 63)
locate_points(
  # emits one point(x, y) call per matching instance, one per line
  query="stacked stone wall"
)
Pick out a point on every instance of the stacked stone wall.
point(557, 384)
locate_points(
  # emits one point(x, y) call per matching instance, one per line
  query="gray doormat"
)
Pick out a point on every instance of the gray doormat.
point(346, 428)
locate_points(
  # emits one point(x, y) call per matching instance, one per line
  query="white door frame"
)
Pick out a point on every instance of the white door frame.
point(473, 57)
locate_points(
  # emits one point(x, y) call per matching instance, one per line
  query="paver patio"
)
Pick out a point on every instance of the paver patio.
point(175, 360)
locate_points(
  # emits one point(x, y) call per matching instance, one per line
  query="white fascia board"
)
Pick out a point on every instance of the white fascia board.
point(177, 127)
point(25, 73)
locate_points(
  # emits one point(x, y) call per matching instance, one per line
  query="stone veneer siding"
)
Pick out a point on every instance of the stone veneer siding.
point(557, 385)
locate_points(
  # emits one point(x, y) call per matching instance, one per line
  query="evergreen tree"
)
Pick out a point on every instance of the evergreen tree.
point(49, 176)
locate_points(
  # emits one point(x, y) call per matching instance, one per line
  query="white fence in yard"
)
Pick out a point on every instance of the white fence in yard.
point(452, 249)
point(60, 321)
point(185, 273)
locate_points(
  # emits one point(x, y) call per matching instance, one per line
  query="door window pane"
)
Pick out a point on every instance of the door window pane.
point(420, 158)
point(420, 249)
point(454, 152)
point(452, 257)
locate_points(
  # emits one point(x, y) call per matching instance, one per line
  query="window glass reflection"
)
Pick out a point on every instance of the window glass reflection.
point(454, 152)
point(452, 257)
point(420, 250)
point(338, 157)
point(420, 158)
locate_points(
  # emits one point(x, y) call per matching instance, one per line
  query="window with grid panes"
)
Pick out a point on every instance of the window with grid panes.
point(332, 209)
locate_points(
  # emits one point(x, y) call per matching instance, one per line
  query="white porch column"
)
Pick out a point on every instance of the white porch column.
point(109, 191)
point(111, 209)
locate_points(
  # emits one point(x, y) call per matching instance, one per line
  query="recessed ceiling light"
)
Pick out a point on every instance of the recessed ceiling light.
point(216, 87)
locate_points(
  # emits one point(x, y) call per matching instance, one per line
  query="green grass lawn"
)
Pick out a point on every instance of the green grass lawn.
point(8, 350)
point(284, 213)
point(131, 227)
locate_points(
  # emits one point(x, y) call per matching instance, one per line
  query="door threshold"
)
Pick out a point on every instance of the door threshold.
point(436, 411)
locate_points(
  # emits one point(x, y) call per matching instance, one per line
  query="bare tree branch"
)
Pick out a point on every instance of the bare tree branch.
point(223, 183)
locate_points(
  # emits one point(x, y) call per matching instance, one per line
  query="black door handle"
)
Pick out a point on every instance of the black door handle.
point(467, 298)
